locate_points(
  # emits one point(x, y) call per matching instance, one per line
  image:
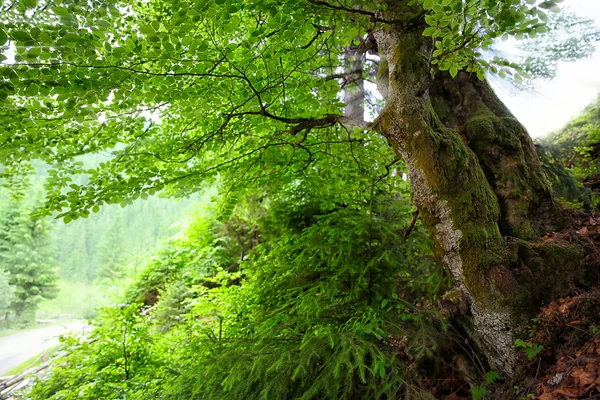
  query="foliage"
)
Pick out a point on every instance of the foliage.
point(290, 296)
point(118, 361)
point(570, 156)
point(576, 145)
point(179, 92)
point(482, 392)
point(529, 348)
point(79, 248)
point(26, 253)
point(305, 282)
point(312, 319)
point(462, 29)
point(479, 392)
point(111, 252)
point(569, 38)
point(85, 247)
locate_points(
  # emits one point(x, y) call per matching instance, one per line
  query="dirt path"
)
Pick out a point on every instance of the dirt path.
point(18, 348)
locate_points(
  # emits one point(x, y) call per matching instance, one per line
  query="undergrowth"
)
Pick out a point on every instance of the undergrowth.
point(280, 300)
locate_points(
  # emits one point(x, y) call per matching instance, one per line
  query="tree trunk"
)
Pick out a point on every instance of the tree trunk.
point(353, 83)
point(478, 183)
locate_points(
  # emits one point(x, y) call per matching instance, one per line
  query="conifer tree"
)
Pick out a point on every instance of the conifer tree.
point(111, 252)
point(27, 254)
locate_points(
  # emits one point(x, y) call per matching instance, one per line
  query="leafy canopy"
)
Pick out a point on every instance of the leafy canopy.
point(179, 91)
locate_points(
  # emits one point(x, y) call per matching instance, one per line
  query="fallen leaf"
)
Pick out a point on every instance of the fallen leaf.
point(563, 308)
point(569, 392)
point(585, 377)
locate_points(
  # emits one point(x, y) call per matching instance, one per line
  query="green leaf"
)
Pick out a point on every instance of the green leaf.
point(491, 377)
point(429, 31)
point(72, 37)
point(61, 11)
point(147, 30)
point(453, 71)
point(32, 90)
point(29, 3)
point(21, 36)
point(3, 37)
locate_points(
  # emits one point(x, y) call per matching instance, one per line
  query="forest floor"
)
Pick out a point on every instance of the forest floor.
point(20, 347)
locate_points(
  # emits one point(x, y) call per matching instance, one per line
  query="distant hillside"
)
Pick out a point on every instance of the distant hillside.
point(93, 248)
point(578, 143)
point(571, 156)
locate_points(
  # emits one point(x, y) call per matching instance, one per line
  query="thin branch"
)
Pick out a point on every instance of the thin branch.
point(372, 15)
point(413, 221)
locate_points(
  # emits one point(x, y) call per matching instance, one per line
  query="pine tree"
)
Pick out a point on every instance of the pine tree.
point(27, 254)
point(111, 252)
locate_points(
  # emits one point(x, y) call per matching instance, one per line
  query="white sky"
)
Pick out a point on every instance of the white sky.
point(576, 85)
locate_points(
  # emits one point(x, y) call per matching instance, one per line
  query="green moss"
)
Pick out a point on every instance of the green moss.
point(481, 128)
point(515, 180)
point(545, 271)
point(399, 10)
point(458, 176)
point(452, 172)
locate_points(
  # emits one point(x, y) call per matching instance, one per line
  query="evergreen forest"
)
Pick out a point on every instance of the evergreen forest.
point(296, 200)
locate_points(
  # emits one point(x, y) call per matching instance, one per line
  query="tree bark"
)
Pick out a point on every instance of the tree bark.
point(478, 183)
point(505, 151)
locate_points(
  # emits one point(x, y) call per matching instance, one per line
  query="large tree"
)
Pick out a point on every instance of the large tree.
point(180, 91)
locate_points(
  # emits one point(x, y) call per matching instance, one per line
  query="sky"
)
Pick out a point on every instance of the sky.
point(554, 103)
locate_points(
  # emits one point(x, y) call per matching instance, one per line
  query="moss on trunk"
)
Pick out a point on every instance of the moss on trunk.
point(505, 151)
point(477, 180)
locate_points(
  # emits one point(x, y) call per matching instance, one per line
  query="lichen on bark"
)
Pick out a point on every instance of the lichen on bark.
point(450, 188)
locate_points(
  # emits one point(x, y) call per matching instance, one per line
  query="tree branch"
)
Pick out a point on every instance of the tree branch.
point(413, 221)
point(374, 17)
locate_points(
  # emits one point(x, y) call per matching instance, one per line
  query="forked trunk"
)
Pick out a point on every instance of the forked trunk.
point(478, 183)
